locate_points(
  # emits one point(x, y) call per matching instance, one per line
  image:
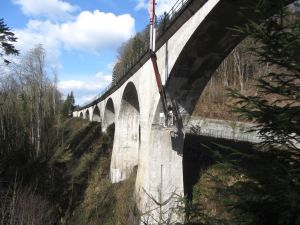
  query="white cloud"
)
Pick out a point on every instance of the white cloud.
point(51, 9)
point(84, 32)
point(40, 32)
point(90, 32)
point(95, 83)
point(103, 77)
point(161, 5)
point(76, 85)
point(93, 31)
point(84, 99)
point(85, 90)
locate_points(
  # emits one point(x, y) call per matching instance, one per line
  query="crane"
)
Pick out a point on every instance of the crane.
point(153, 57)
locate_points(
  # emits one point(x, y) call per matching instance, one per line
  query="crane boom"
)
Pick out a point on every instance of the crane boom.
point(152, 23)
point(153, 57)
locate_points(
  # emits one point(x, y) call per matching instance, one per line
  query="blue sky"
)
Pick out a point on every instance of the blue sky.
point(81, 37)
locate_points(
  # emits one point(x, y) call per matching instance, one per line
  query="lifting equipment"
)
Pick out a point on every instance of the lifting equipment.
point(153, 57)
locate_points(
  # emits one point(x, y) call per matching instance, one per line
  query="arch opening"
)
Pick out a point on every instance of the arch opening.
point(96, 115)
point(129, 130)
point(87, 115)
point(81, 115)
point(109, 113)
point(206, 49)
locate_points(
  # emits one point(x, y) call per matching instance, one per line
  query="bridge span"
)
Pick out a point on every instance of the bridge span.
point(188, 53)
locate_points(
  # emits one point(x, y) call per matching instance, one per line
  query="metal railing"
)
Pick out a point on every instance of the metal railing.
point(166, 19)
point(162, 26)
point(176, 8)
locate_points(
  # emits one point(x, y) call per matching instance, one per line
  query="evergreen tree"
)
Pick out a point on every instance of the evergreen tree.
point(273, 190)
point(72, 101)
point(68, 106)
point(7, 38)
point(276, 109)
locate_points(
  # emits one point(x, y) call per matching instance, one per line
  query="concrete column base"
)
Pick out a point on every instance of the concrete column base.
point(164, 175)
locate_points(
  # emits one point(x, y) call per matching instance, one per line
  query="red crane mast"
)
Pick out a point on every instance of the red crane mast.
point(154, 60)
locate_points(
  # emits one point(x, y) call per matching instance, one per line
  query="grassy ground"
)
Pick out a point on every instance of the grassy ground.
point(83, 162)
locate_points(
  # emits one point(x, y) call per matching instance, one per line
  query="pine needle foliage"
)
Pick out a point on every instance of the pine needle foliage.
point(7, 38)
point(275, 109)
point(68, 106)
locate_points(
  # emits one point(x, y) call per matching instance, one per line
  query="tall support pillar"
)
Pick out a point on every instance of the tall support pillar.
point(164, 177)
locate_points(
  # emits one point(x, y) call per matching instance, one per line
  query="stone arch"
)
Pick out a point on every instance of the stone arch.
point(205, 50)
point(81, 115)
point(128, 131)
point(87, 114)
point(109, 113)
point(96, 114)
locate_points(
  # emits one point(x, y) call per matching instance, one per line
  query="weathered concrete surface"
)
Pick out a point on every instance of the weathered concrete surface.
point(109, 114)
point(233, 130)
point(127, 144)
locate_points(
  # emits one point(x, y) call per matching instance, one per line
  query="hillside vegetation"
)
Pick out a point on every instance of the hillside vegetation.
point(72, 186)
point(229, 183)
point(239, 71)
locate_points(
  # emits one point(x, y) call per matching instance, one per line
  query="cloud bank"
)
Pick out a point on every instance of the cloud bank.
point(89, 32)
point(92, 32)
point(52, 9)
point(59, 25)
point(85, 90)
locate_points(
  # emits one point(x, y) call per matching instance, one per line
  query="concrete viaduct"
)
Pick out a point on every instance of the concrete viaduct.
point(188, 53)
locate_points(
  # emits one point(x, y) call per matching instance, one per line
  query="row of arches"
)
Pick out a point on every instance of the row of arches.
point(86, 115)
point(96, 117)
point(129, 107)
point(127, 130)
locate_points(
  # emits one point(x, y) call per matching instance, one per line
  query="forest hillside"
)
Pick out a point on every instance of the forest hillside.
point(72, 186)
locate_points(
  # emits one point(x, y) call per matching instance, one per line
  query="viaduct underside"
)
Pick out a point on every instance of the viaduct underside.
point(188, 54)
